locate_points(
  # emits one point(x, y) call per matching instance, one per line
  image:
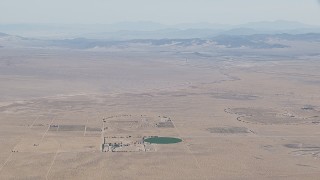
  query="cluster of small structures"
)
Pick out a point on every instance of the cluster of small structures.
point(165, 122)
point(126, 144)
point(113, 142)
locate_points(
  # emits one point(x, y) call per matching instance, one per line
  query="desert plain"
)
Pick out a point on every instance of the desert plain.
point(84, 114)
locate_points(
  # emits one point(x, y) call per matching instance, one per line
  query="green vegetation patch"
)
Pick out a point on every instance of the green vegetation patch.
point(163, 140)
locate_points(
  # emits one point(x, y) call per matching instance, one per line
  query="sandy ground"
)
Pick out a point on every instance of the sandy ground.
point(238, 119)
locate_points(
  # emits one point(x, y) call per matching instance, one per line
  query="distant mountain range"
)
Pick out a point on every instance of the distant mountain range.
point(259, 35)
point(276, 25)
point(151, 30)
point(3, 34)
point(256, 41)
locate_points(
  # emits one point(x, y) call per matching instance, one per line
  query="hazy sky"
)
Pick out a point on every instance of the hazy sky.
point(162, 11)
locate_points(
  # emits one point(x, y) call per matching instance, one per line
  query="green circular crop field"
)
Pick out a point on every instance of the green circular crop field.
point(163, 140)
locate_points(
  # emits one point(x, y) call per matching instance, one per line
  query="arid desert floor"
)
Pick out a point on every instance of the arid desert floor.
point(238, 117)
